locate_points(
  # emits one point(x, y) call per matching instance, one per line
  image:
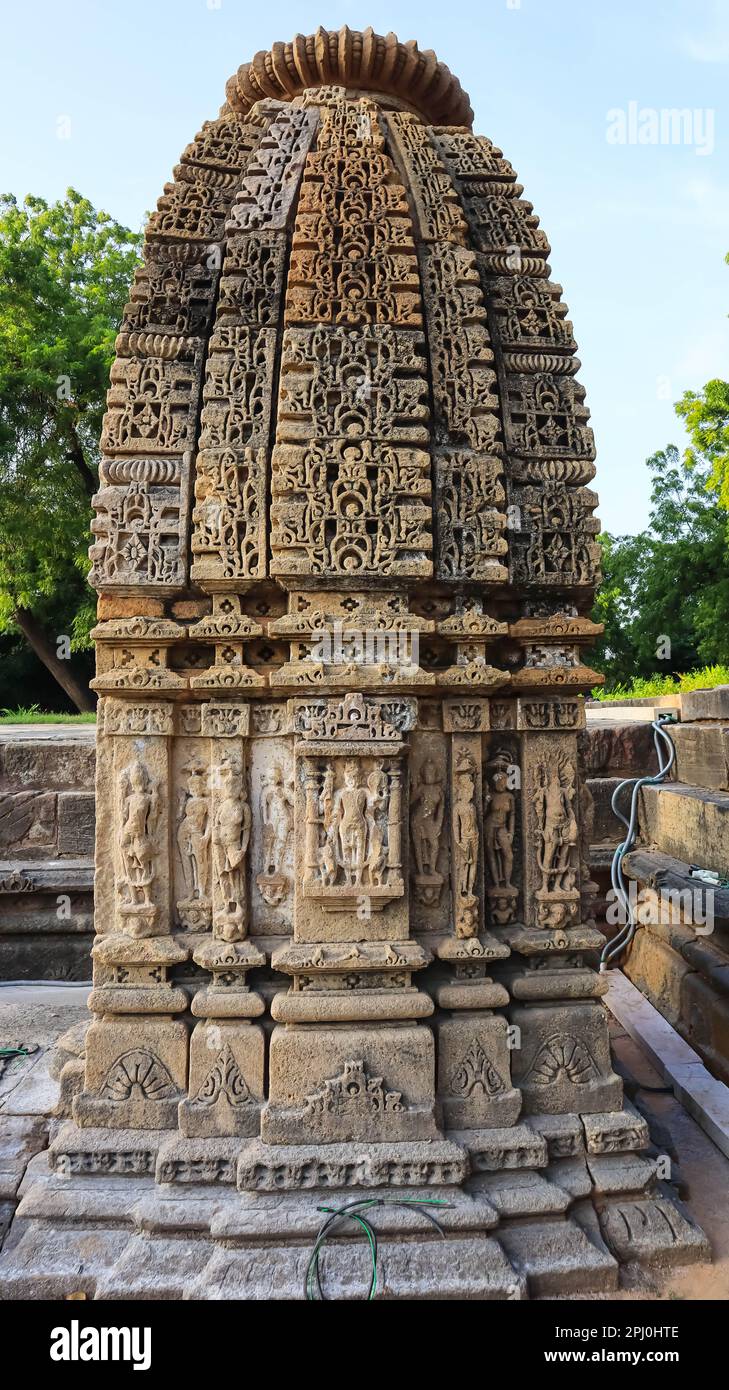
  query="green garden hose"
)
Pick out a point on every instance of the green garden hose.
point(352, 1211)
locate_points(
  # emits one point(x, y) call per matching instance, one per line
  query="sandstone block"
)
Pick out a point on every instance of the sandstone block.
point(344, 1084)
point(226, 1085)
point(474, 1074)
point(133, 1080)
point(563, 1064)
point(76, 820)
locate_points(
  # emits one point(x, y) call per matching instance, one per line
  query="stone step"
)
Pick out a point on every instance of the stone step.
point(557, 1257)
point(434, 1269)
point(702, 754)
point(668, 875)
point(515, 1194)
point(680, 958)
point(24, 875)
point(705, 1097)
point(21, 1136)
point(706, 704)
point(155, 1267)
point(656, 1232)
point(690, 823)
point(49, 1261)
point(297, 1216)
point(621, 1173)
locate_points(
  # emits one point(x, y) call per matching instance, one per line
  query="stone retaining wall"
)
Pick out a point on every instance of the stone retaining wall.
point(46, 851)
point(679, 960)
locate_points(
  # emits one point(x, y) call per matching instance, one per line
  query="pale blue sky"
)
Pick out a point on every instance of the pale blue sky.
point(639, 231)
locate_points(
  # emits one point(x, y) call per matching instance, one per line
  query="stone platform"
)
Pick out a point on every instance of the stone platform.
point(549, 1207)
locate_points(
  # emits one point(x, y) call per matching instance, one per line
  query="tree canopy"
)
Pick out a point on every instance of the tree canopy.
point(65, 271)
point(670, 581)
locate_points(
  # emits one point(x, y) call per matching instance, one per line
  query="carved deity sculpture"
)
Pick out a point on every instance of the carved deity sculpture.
point(554, 802)
point(466, 848)
point(377, 825)
point(277, 807)
point(557, 822)
point(427, 813)
point(231, 833)
point(140, 811)
point(427, 808)
point(498, 831)
point(277, 821)
point(350, 825)
point(193, 843)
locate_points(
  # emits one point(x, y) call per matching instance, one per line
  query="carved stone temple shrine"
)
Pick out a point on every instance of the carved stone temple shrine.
point(345, 551)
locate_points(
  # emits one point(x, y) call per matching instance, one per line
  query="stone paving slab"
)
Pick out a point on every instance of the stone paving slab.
point(706, 1099)
point(47, 733)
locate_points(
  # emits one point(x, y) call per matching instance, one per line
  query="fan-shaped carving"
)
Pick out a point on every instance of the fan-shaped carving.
point(138, 1075)
point(563, 1055)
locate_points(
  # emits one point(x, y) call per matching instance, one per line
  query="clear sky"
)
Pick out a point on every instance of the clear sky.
point(104, 95)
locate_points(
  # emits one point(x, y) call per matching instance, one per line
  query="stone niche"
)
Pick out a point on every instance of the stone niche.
point(345, 552)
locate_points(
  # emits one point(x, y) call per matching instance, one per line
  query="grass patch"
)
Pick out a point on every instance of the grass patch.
point(31, 714)
point(641, 689)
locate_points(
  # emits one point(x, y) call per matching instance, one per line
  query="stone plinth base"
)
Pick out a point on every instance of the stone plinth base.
point(276, 1167)
point(549, 1207)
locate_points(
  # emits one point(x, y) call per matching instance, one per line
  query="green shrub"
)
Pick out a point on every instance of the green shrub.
point(642, 688)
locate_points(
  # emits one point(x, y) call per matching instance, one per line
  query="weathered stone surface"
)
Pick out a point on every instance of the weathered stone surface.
point(21, 1136)
point(523, 1194)
point(475, 1073)
point(46, 851)
point(49, 764)
point(563, 1064)
point(52, 1262)
point(76, 822)
point(370, 1083)
point(433, 1270)
point(557, 1257)
point(704, 1021)
point(606, 825)
point(491, 1150)
point(658, 971)
point(619, 750)
point(620, 1131)
point(296, 1216)
point(154, 1268)
point(652, 1231)
point(226, 1080)
point(104, 1151)
point(702, 755)
point(706, 704)
point(689, 823)
point(563, 1134)
point(276, 1167)
point(621, 1173)
point(671, 879)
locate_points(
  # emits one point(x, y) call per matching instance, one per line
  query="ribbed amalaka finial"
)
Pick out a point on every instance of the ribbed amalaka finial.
point(365, 61)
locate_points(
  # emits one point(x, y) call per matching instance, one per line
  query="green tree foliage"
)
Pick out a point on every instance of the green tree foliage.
point(706, 416)
point(65, 271)
point(671, 580)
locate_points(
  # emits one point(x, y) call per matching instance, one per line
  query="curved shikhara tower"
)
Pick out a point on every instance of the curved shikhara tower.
point(345, 552)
